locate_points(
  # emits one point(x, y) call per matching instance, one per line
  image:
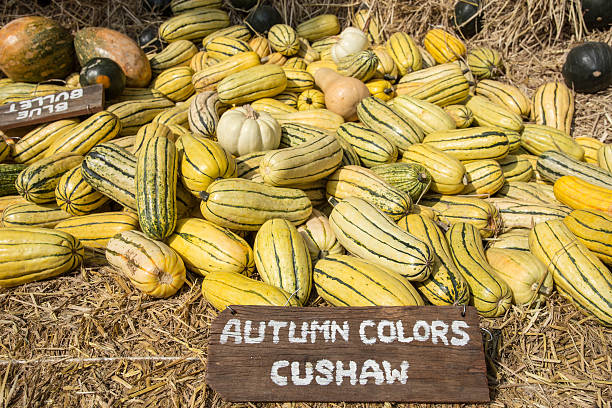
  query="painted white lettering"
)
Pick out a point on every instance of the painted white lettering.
point(76, 93)
point(392, 336)
point(12, 108)
point(295, 373)
point(49, 108)
point(439, 330)
point(400, 333)
point(22, 115)
point(371, 369)
point(228, 332)
point(393, 375)
point(36, 112)
point(275, 376)
point(292, 338)
point(38, 100)
point(50, 97)
point(457, 327)
point(63, 95)
point(416, 330)
point(326, 368)
point(342, 331)
point(247, 333)
point(362, 333)
point(316, 327)
point(24, 105)
point(62, 106)
point(276, 326)
point(351, 372)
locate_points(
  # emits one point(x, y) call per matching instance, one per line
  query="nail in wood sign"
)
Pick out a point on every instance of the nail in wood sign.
point(60, 105)
point(352, 354)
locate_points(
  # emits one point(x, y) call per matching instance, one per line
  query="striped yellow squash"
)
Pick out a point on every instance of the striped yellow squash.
point(528, 192)
point(37, 182)
point(306, 52)
point(319, 27)
point(175, 83)
point(203, 114)
point(293, 134)
point(152, 266)
point(441, 85)
point(412, 178)
point(302, 164)
point(487, 113)
point(32, 146)
point(136, 113)
point(260, 45)
point(604, 157)
point(378, 116)
point(579, 194)
point(240, 32)
point(452, 210)
point(95, 230)
point(461, 114)
point(476, 143)
point(381, 89)
point(591, 148)
point(288, 98)
point(443, 46)
point(252, 84)
point(365, 231)
point(127, 142)
point(177, 115)
point(298, 80)
point(321, 118)
point(5, 149)
point(405, 53)
point(206, 248)
point(445, 285)
point(428, 59)
point(594, 229)
point(372, 148)
point(484, 177)
point(247, 166)
point(319, 237)
point(193, 25)
point(136, 94)
point(182, 6)
point(526, 276)
point(310, 99)
point(516, 168)
point(222, 289)
point(22, 213)
point(5, 201)
point(516, 239)
point(514, 140)
point(98, 128)
point(176, 54)
point(75, 196)
point(295, 63)
point(202, 162)
point(552, 165)
point(386, 68)
point(283, 259)
point(344, 280)
point(537, 139)
point(283, 39)
point(553, 105)
point(578, 274)
point(271, 106)
point(485, 63)
point(361, 65)
point(517, 214)
point(149, 131)
point(491, 296)
point(349, 156)
point(324, 44)
point(447, 172)
point(221, 48)
point(276, 58)
point(505, 95)
point(356, 181)
point(365, 19)
point(208, 78)
point(199, 62)
point(427, 116)
point(29, 254)
point(245, 205)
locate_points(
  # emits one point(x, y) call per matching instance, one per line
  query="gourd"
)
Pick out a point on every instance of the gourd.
point(244, 130)
point(588, 67)
point(106, 72)
point(352, 40)
point(597, 13)
point(342, 94)
point(467, 17)
point(262, 18)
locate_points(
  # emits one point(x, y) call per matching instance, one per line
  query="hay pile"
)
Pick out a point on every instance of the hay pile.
point(90, 340)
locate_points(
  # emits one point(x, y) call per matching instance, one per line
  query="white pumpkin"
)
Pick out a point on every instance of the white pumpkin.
point(352, 40)
point(243, 130)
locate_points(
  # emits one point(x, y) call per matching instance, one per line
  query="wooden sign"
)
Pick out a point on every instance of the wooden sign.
point(352, 354)
point(61, 105)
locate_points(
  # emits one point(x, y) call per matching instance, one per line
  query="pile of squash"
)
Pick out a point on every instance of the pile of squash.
point(284, 163)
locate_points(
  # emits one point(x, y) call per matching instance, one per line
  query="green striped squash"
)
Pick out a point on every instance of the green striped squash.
point(349, 155)
point(427, 116)
point(372, 148)
point(491, 296)
point(505, 95)
point(33, 145)
point(310, 161)
point(537, 139)
point(156, 178)
point(175, 83)
point(411, 178)
point(29, 254)
point(552, 165)
point(516, 168)
point(38, 181)
point(176, 54)
point(222, 289)
point(517, 214)
point(283, 259)
point(553, 105)
point(182, 6)
point(283, 39)
point(177, 115)
point(578, 274)
point(378, 116)
point(221, 48)
point(298, 80)
point(365, 231)
point(98, 128)
point(247, 166)
point(95, 230)
point(293, 134)
point(441, 85)
point(604, 157)
point(193, 25)
point(240, 32)
point(151, 130)
point(461, 114)
point(75, 196)
point(484, 177)
point(344, 280)
point(445, 285)
point(361, 65)
point(315, 191)
point(319, 27)
point(528, 192)
point(485, 62)
point(22, 213)
point(137, 113)
point(476, 143)
point(245, 205)
point(8, 176)
point(487, 113)
point(253, 83)
point(203, 114)
point(207, 248)
point(594, 229)
point(137, 94)
point(447, 173)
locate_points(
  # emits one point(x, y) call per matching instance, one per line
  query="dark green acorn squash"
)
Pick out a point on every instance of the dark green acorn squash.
point(104, 71)
point(243, 4)
point(262, 18)
point(588, 67)
point(597, 13)
point(467, 17)
point(149, 40)
point(34, 49)
point(158, 6)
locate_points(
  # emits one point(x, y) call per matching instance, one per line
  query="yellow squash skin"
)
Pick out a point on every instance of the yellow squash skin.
point(222, 289)
point(426, 115)
point(344, 280)
point(22, 213)
point(553, 105)
point(484, 177)
point(319, 237)
point(443, 46)
point(32, 146)
point(310, 99)
point(505, 95)
point(591, 147)
point(518, 214)
point(368, 233)
point(75, 196)
point(319, 27)
point(578, 274)
point(475, 143)
point(582, 195)
point(537, 139)
point(485, 62)
point(487, 113)
point(283, 259)
point(206, 248)
point(594, 229)
point(516, 168)
point(516, 239)
point(604, 157)
point(324, 119)
point(446, 171)
point(461, 114)
point(528, 192)
point(490, 295)
point(253, 83)
point(29, 254)
point(445, 285)
point(209, 77)
point(152, 266)
point(405, 53)
point(95, 230)
point(526, 276)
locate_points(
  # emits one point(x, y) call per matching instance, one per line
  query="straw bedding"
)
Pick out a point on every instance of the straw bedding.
point(90, 340)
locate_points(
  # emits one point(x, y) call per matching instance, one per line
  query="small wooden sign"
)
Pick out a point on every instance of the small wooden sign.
point(60, 105)
point(352, 354)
